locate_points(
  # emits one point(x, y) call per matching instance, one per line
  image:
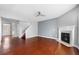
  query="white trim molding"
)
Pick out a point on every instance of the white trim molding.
point(57, 39)
point(48, 37)
point(69, 29)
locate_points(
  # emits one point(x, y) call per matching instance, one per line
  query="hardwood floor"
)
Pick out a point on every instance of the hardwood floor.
point(35, 46)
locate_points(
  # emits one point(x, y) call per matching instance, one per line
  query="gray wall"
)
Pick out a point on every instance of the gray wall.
point(0, 29)
point(68, 19)
point(78, 25)
point(50, 27)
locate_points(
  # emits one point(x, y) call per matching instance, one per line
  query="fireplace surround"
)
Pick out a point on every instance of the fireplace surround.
point(66, 35)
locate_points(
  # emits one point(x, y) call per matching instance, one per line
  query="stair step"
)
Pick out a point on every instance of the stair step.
point(23, 36)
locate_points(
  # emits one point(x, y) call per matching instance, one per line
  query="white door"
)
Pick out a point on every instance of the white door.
point(6, 29)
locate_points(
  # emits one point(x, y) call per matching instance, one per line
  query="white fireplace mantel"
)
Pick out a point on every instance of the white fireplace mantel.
point(66, 29)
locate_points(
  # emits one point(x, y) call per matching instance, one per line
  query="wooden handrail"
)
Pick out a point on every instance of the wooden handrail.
point(23, 33)
point(25, 29)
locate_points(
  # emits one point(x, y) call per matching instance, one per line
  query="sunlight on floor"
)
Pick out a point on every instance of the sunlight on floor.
point(6, 43)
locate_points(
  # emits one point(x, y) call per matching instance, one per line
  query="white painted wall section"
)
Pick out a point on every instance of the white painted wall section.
point(32, 30)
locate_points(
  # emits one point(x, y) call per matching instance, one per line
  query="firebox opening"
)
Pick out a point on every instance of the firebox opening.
point(65, 37)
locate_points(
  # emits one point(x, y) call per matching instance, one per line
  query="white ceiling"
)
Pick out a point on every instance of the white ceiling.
point(27, 11)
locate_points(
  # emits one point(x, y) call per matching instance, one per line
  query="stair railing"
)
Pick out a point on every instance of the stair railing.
point(24, 30)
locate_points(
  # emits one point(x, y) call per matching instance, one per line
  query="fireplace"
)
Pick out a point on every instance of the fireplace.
point(65, 37)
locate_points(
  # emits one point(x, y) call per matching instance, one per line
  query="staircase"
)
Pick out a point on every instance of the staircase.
point(23, 36)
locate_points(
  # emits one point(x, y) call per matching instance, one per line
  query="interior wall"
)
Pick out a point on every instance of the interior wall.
point(68, 19)
point(78, 24)
point(32, 30)
point(0, 30)
point(50, 27)
point(15, 28)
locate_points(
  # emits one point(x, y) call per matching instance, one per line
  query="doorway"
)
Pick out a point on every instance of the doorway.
point(6, 30)
point(6, 34)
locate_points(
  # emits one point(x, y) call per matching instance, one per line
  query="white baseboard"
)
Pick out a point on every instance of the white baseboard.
point(66, 44)
point(76, 46)
point(57, 39)
point(27, 37)
point(48, 37)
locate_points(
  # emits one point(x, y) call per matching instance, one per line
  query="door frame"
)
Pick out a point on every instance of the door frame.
point(10, 28)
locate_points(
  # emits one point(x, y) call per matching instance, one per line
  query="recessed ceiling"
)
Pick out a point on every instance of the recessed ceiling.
point(28, 12)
